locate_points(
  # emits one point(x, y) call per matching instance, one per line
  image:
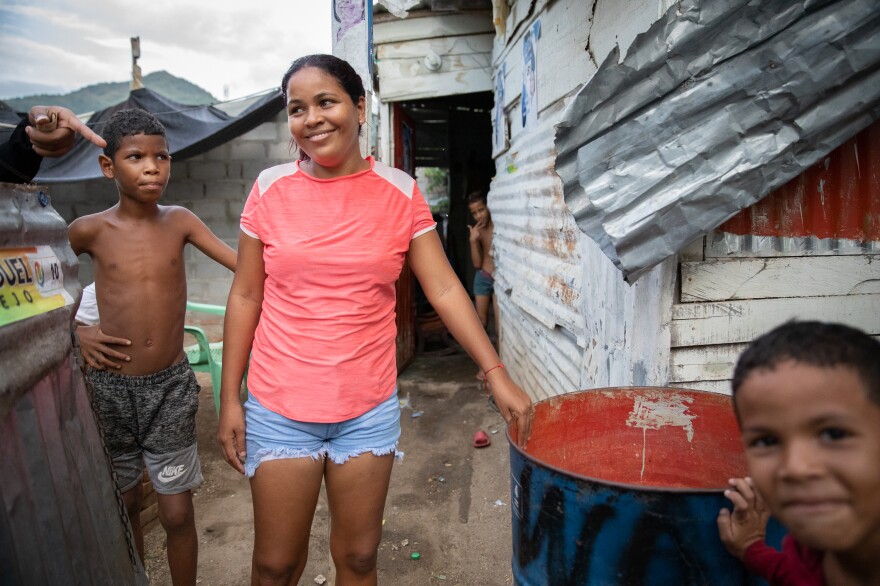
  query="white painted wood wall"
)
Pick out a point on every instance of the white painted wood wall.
point(461, 42)
point(727, 302)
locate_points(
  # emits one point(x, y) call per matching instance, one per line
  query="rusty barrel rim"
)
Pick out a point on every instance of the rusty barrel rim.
point(616, 484)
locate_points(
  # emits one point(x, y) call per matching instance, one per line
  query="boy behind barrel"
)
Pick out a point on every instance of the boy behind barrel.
point(147, 404)
point(807, 397)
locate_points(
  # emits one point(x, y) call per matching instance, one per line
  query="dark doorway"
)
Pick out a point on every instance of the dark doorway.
point(454, 133)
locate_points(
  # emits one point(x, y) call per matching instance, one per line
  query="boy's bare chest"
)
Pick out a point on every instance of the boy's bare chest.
point(142, 253)
point(486, 237)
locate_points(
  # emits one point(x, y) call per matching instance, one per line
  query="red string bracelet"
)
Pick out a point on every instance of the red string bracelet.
point(486, 377)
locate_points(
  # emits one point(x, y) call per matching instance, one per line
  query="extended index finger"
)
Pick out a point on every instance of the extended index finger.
point(90, 135)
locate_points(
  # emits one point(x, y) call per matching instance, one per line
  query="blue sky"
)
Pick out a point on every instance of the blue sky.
point(230, 48)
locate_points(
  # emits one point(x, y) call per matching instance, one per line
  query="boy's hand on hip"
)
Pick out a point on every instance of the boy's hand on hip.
point(231, 435)
point(97, 349)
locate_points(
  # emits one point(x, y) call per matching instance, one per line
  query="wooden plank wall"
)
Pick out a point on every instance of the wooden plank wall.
point(463, 43)
point(726, 303)
point(811, 254)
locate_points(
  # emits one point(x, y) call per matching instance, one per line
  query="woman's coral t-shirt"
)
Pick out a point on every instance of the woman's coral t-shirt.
point(324, 349)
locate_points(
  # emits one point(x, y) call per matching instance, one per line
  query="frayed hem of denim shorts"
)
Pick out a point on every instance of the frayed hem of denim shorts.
point(269, 454)
point(343, 457)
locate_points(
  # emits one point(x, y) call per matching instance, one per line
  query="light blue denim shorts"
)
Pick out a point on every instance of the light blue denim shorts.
point(484, 284)
point(271, 436)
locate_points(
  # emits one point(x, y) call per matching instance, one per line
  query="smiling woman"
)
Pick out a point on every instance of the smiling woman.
point(325, 118)
point(323, 240)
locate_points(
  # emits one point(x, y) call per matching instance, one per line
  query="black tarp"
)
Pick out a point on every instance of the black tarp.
point(191, 130)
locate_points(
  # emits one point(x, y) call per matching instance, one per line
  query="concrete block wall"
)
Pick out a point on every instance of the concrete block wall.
point(214, 185)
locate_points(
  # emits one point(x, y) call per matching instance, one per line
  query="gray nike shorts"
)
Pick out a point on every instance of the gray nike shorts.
point(150, 420)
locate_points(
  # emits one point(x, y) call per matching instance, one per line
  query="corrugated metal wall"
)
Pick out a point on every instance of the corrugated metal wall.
point(538, 267)
point(832, 209)
point(838, 198)
point(568, 320)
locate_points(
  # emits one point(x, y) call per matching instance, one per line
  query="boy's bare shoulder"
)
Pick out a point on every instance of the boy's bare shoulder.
point(176, 212)
point(90, 223)
point(97, 217)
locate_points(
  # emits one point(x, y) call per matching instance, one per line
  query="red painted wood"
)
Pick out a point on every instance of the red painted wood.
point(839, 197)
point(405, 306)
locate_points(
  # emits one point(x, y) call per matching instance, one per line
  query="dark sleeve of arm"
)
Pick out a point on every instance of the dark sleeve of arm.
point(763, 560)
point(782, 568)
point(18, 161)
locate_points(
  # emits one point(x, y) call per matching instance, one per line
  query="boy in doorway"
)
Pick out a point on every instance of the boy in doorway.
point(482, 257)
point(807, 397)
point(147, 406)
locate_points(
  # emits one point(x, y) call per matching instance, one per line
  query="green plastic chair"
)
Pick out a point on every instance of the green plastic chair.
point(206, 356)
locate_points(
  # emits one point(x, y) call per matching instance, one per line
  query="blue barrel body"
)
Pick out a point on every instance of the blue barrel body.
point(573, 529)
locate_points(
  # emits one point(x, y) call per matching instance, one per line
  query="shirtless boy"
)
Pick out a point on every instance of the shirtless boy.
point(480, 238)
point(137, 253)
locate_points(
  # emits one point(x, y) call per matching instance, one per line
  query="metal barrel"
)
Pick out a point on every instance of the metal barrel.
point(61, 518)
point(623, 486)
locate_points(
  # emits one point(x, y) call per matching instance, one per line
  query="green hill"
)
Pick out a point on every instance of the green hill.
point(101, 95)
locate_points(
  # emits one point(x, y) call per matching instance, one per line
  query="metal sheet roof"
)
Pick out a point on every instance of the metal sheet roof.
point(717, 104)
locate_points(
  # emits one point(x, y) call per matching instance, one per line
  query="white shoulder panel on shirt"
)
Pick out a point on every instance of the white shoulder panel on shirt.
point(395, 177)
point(273, 174)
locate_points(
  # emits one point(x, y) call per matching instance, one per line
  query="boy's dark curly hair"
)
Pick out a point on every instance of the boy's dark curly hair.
point(817, 344)
point(475, 196)
point(129, 122)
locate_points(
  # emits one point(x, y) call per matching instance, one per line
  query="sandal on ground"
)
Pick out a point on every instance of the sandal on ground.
point(481, 440)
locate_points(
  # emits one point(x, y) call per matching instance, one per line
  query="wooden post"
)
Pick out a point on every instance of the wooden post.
point(137, 81)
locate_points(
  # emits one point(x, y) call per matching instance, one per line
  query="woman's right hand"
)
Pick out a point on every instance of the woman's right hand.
point(231, 435)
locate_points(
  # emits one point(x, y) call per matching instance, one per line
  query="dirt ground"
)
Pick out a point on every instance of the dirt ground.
point(448, 501)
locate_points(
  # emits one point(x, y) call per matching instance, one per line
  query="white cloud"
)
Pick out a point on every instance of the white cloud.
point(63, 45)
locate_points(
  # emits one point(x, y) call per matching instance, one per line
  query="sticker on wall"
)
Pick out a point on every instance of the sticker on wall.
point(529, 100)
point(500, 129)
point(352, 30)
point(31, 283)
point(347, 14)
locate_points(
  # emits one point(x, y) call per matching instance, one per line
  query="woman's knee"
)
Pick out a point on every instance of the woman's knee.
point(278, 569)
point(358, 560)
